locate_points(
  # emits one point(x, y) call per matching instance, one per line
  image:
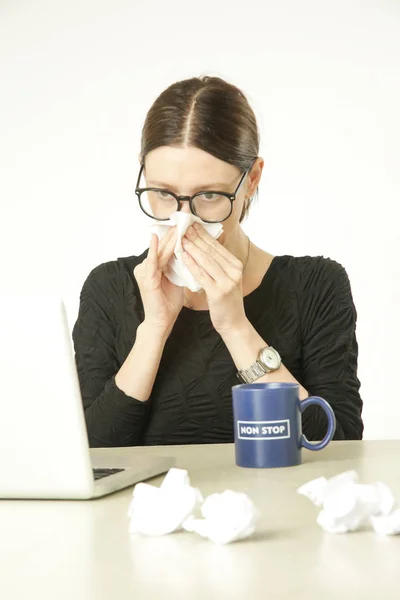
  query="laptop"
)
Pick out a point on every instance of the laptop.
point(44, 450)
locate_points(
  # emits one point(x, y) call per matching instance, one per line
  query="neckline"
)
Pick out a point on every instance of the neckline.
point(246, 299)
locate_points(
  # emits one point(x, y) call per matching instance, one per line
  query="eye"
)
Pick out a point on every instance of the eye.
point(163, 195)
point(209, 196)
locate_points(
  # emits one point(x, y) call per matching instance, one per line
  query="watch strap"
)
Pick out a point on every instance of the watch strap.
point(254, 372)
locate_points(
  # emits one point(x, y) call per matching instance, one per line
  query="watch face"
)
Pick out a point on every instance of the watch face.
point(270, 358)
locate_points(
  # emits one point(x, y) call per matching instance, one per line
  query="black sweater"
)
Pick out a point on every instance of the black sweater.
point(303, 308)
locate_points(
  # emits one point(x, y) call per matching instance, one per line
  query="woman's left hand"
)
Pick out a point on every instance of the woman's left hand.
point(220, 274)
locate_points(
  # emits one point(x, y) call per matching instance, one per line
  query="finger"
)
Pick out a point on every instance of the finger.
point(165, 238)
point(195, 242)
point(152, 256)
point(231, 265)
point(210, 244)
point(165, 253)
point(205, 261)
point(198, 272)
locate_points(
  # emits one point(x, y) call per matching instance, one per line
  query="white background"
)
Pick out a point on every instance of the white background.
point(76, 80)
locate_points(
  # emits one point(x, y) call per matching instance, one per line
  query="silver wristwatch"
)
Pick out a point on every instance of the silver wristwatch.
point(268, 360)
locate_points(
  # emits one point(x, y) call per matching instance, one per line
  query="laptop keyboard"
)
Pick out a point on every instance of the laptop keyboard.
point(100, 473)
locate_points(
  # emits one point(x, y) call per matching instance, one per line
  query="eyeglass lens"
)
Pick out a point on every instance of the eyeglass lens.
point(207, 206)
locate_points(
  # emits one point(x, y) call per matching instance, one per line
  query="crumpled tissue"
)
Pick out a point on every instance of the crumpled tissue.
point(228, 517)
point(176, 270)
point(158, 511)
point(388, 524)
point(347, 504)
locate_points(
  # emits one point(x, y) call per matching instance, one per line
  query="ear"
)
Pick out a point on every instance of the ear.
point(254, 176)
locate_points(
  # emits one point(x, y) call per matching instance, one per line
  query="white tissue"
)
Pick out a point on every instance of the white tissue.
point(347, 504)
point(228, 517)
point(313, 490)
point(175, 479)
point(388, 524)
point(158, 511)
point(161, 510)
point(176, 270)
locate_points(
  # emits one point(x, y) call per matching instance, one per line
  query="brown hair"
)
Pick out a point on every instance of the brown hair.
point(207, 113)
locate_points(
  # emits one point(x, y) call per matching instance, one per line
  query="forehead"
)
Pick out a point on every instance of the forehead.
point(187, 169)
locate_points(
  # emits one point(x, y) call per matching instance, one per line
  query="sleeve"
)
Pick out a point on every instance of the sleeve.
point(112, 417)
point(330, 350)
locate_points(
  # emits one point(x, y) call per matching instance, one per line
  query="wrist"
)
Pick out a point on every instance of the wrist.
point(241, 330)
point(244, 344)
point(153, 331)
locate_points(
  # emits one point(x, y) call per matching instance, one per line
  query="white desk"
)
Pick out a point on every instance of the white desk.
point(82, 550)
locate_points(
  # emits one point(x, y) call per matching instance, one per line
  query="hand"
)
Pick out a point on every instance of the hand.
point(220, 274)
point(162, 300)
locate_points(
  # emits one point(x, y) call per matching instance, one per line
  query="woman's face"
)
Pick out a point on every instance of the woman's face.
point(186, 171)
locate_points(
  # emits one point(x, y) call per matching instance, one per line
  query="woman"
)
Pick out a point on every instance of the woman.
point(157, 362)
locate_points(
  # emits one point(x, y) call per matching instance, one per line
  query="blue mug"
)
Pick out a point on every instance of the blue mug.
point(267, 422)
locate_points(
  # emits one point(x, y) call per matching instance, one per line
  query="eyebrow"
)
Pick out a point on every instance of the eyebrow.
point(213, 186)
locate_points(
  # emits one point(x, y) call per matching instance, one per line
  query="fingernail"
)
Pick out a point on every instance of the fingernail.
point(196, 225)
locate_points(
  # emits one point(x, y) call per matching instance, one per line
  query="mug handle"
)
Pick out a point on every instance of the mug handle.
point(331, 422)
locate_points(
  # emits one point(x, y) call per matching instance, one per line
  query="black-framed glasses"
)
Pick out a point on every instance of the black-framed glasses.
point(210, 206)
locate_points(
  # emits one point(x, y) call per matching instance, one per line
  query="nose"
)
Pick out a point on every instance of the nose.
point(185, 205)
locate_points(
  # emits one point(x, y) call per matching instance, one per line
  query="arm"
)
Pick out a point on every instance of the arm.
point(330, 350)
point(244, 345)
point(327, 316)
point(114, 396)
point(143, 362)
point(113, 417)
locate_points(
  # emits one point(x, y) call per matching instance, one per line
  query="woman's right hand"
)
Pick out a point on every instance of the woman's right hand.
point(162, 300)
